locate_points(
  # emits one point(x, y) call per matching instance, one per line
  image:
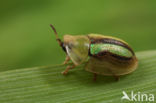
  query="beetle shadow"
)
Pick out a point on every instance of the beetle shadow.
point(89, 80)
point(78, 75)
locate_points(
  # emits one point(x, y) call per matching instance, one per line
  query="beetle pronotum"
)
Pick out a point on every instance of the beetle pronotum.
point(105, 55)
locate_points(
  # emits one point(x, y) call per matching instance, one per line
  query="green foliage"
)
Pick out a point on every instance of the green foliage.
point(48, 85)
point(26, 40)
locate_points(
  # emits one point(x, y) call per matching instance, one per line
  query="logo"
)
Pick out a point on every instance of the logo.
point(138, 96)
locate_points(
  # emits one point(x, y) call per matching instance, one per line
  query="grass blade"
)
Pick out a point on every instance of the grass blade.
point(47, 85)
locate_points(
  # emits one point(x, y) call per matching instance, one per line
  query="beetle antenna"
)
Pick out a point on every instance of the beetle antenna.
point(57, 38)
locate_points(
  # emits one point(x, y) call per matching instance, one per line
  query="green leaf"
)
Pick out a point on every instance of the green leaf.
point(48, 85)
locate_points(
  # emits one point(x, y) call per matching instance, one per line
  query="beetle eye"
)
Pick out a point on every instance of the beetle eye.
point(63, 47)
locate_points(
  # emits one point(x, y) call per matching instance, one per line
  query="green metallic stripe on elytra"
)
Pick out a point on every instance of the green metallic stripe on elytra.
point(112, 48)
point(110, 41)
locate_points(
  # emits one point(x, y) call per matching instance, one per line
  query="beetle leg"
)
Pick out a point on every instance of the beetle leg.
point(66, 60)
point(67, 69)
point(117, 78)
point(94, 77)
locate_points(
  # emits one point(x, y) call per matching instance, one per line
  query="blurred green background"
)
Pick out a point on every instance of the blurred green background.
point(26, 40)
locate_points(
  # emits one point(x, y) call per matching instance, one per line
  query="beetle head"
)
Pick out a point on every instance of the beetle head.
point(77, 48)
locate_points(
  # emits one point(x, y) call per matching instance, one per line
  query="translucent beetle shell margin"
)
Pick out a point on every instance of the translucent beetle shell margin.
point(105, 55)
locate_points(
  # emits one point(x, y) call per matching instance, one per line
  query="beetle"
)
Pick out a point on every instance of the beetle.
point(105, 55)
